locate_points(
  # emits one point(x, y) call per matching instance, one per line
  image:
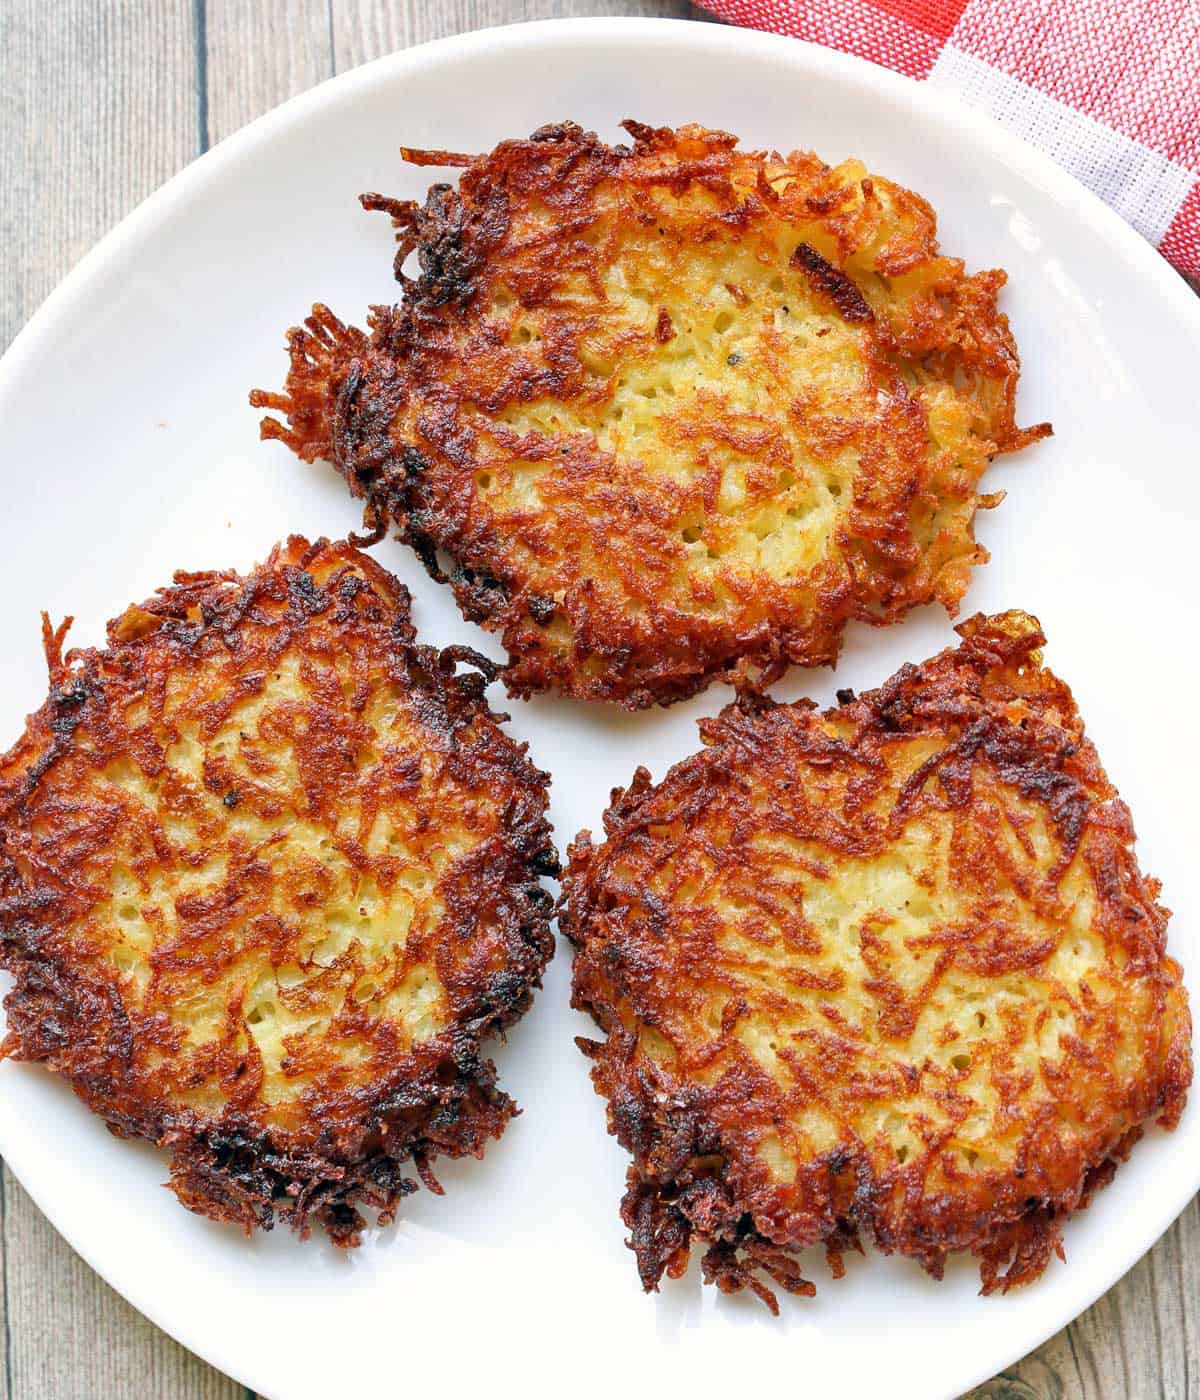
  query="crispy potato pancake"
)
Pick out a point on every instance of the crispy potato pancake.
point(668, 409)
point(268, 878)
point(888, 971)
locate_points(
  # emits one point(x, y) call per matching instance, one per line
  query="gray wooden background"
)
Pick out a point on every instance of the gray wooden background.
point(100, 102)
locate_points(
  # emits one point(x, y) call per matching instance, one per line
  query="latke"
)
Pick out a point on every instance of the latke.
point(889, 971)
point(269, 876)
point(667, 410)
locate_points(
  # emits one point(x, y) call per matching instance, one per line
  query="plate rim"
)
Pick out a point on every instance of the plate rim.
point(975, 128)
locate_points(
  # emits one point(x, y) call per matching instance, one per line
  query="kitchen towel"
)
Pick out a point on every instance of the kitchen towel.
point(1109, 88)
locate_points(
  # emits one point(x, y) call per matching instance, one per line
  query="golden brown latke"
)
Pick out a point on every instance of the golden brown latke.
point(891, 970)
point(268, 878)
point(669, 409)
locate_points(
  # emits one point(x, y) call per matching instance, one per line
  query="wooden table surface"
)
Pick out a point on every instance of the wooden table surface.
point(100, 102)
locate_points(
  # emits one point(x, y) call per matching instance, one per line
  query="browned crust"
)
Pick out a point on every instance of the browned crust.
point(348, 393)
point(833, 283)
point(693, 1176)
point(353, 1145)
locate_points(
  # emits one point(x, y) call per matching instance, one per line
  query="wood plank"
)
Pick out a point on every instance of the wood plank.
point(99, 106)
point(366, 29)
point(258, 55)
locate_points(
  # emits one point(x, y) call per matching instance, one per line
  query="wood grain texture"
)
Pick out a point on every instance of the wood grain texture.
point(102, 100)
point(364, 29)
point(99, 104)
point(258, 55)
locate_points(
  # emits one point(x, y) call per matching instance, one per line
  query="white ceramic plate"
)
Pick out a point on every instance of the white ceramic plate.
point(130, 451)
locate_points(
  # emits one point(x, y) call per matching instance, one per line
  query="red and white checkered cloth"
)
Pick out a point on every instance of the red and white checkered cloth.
point(1109, 88)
